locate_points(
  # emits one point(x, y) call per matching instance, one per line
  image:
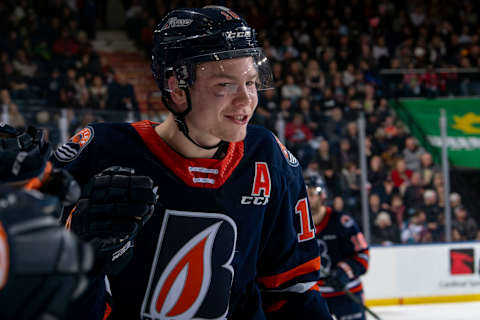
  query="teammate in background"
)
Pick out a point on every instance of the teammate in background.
point(344, 254)
point(231, 235)
point(43, 267)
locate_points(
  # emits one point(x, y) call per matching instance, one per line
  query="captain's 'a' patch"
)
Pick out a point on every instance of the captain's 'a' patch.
point(72, 148)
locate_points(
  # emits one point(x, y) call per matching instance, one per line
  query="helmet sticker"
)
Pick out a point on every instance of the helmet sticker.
point(174, 22)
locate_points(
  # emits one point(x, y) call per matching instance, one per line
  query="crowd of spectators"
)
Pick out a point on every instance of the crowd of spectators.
point(328, 59)
point(46, 56)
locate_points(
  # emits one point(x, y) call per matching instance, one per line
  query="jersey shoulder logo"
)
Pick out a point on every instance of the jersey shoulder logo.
point(292, 161)
point(193, 278)
point(71, 149)
point(346, 221)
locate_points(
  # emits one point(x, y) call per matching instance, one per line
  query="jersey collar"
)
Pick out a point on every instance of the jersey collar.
point(199, 173)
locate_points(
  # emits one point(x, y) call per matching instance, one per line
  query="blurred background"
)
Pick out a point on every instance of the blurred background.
point(362, 88)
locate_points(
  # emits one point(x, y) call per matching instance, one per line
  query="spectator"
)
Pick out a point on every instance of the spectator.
point(99, 93)
point(376, 171)
point(298, 136)
point(433, 213)
point(401, 175)
point(399, 210)
point(465, 225)
point(427, 169)
point(384, 232)
point(413, 231)
point(290, 90)
point(413, 194)
point(386, 191)
point(121, 95)
point(412, 154)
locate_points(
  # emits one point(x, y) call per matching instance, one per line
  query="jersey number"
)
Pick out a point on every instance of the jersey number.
point(307, 232)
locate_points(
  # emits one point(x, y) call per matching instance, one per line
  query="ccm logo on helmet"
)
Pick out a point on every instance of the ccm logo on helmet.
point(240, 34)
point(261, 186)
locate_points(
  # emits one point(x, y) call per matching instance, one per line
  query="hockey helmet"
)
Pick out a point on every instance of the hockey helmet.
point(186, 37)
point(317, 183)
point(23, 153)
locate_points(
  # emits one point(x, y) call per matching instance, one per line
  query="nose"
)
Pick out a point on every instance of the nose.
point(243, 96)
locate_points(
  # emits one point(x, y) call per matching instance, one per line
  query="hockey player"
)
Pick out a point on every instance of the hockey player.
point(43, 267)
point(344, 254)
point(231, 235)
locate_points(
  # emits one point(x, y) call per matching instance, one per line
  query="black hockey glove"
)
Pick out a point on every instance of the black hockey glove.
point(114, 206)
point(338, 279)
point(43, 267)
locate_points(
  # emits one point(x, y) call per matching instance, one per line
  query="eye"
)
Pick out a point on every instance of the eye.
point(251, 83)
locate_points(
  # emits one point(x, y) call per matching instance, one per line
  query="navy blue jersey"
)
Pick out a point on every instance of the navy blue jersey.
point(229, 238)
point(341, 244)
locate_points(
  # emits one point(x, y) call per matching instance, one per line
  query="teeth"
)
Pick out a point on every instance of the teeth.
point(239, 118)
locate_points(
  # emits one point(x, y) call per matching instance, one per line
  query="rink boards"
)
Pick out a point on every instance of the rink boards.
point(410, 274)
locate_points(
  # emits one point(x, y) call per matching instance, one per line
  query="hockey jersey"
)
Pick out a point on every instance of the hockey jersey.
point(229, 238)
point(341, 244)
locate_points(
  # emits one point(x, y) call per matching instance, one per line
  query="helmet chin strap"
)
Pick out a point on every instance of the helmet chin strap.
point(182, 124)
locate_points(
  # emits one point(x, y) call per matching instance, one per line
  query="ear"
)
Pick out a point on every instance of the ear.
point(177, 95)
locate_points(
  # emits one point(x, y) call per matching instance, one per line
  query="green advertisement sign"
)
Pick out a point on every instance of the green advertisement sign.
point(463, 127)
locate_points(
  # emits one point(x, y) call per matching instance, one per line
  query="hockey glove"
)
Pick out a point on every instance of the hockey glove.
point(43, 267)
point(114, 206)
point(338, 279)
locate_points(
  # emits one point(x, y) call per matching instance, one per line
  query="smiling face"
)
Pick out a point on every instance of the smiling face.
point(224, 98)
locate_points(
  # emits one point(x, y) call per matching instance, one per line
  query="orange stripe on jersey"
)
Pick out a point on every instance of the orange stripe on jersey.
point(324, 222)
point(315, 288)
point(37, 182)
point(276, 306)
point(341, 293)
point(108, 311)
point(362, 261)
point(278, 279)
point(68, 223)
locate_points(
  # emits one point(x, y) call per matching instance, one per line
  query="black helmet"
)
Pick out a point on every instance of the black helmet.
point(186, 37)
point(23, 153)
point(317, 182)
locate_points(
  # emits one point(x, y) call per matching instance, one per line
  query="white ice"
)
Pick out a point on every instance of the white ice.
point(436, 311)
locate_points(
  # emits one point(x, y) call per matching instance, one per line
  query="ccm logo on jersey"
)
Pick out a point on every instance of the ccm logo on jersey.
point(261, 186)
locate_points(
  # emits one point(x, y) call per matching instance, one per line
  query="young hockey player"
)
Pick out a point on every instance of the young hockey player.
point(231, 235)
point(43, 267)
point(344, 254)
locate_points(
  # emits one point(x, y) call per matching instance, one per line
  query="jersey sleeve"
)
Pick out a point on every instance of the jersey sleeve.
point(289, 261)
point(355, 248)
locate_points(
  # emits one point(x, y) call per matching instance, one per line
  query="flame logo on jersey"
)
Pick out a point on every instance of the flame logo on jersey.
point(187, 277)
point(72, 148)
point(192, 274)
